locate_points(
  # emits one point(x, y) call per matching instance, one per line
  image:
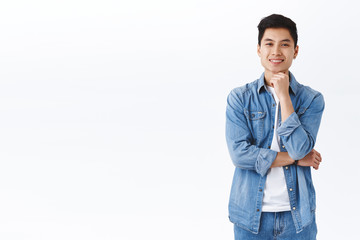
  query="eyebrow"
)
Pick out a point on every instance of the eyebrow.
point(270, 40)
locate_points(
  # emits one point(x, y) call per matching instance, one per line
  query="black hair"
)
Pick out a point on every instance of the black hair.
point(277, 21)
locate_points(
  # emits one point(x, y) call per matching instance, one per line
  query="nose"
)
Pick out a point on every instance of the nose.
point(276, 50)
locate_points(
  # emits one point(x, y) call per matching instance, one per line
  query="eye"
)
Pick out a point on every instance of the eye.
point(285, 45)
point(269, 44)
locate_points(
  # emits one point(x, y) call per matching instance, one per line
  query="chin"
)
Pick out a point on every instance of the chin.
point(276, 70)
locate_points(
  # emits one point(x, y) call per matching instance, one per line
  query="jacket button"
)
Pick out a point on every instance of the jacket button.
point(294, 208)
point(290, 189)
point(286, 167)
point(283, 146)
point(260, 190)
point(269, 147)
point(273, 104)
point(257, 210)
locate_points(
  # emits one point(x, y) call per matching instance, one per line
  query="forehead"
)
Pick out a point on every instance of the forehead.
point(277, 34)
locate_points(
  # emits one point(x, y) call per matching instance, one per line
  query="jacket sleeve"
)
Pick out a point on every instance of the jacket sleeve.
point(298, 132)
point(244, 154)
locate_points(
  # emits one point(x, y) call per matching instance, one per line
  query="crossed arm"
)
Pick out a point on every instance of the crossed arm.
point(312, 159)
point(280, 82)
point(298, 134)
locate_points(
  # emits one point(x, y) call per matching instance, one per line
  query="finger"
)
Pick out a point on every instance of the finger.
point(317, 153)
point(278, 75)
point(273, 82)
point(317, 166)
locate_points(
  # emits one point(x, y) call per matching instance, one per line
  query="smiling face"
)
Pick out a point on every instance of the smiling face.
point(277, 51)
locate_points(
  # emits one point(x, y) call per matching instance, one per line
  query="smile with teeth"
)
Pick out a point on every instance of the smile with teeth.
point(276, 60)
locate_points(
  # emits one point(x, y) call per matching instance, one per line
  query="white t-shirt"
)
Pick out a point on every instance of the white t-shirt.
point(276, 198)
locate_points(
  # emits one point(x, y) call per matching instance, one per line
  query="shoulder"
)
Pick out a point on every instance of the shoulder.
point(310, 96)
point(306, 91)
point(302, 91)
point(241, 93)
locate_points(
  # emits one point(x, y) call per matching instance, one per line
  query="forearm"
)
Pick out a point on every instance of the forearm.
point(282, 159)
point(250, 157)
point(286, 107)
point(298, 131)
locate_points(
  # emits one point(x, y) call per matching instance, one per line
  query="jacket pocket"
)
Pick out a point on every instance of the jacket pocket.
point(254, 115)
point(255, 121)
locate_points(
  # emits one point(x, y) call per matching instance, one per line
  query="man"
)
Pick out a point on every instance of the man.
point(271, 128)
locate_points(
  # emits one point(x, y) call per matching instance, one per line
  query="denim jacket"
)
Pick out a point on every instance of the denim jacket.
point(250, 116)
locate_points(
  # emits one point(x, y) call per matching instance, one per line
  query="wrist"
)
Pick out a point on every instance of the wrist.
point(284, 97)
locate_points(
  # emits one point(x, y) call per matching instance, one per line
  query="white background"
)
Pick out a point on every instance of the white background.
point(112, 114)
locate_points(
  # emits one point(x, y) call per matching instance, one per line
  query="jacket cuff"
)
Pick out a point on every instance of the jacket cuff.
point(264, 160)
point(289, 125)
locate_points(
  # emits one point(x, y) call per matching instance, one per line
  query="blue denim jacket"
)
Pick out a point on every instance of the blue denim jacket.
point(250, 116)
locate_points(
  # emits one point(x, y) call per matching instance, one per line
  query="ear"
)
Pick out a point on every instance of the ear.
point(258, 50)
point(296, 51)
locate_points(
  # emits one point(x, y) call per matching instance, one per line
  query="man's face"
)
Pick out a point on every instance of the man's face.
point(277, 50)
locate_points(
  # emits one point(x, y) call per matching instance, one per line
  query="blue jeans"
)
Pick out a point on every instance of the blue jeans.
point(277, 226)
